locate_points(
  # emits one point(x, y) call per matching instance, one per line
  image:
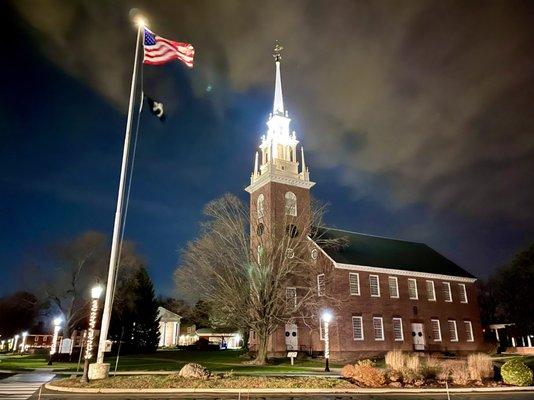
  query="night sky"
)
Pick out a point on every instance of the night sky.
point(416, 118)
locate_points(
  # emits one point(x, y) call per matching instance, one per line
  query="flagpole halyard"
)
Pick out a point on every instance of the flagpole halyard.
point(103, 370)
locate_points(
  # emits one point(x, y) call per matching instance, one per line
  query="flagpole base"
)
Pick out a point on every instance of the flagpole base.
point(98, 371)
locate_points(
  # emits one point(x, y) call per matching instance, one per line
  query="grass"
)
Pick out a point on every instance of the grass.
point(219, 361)
point(232, 382)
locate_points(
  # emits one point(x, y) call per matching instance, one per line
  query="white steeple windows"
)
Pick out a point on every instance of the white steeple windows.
point(260, 206)
point(291, 204)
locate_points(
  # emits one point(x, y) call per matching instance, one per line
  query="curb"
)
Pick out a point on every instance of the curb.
point(50, 386)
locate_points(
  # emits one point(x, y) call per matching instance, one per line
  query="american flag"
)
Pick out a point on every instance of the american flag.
point(159, 51)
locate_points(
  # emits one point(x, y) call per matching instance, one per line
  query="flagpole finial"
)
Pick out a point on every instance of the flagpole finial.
point(138, 18)
point(277, 51)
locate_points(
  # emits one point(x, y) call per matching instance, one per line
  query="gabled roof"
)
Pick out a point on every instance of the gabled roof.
point(167, 315)
point(375, 251)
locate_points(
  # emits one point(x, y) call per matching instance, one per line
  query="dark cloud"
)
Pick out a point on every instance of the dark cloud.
point(431, 98)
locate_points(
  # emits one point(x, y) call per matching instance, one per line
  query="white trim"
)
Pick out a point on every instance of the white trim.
point(439, 329)
point(469, 332)
point(379, 339)
point(358, 284)
point(272, 177)
point(463, 291)
point(377, 286)
point(416, 290)
point(449, 291)
point(360, 318)
point(396, 287)
point(449, 321)
point(322, 251)
point(433, 291)
point(392, 271)
point(401, 329)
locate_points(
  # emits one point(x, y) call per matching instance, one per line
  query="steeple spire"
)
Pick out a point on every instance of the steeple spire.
point(278, 104)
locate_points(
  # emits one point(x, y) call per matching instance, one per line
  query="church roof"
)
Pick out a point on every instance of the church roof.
point(167, 315)
point(375, 251)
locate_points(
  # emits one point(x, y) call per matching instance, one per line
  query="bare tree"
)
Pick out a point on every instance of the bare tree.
point(68, 269)
point(246, 280)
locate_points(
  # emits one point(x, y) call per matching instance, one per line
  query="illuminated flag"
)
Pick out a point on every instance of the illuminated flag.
point(160, 51)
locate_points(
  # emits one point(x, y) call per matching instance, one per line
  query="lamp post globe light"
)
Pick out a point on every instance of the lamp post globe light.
point(327, 318)
point(96, 292)
point(53, 348)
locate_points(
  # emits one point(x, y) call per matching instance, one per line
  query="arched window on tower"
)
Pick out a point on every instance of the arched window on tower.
point(291, 204)
point(260, 206)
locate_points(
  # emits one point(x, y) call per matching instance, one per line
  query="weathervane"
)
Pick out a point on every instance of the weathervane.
point(277, 51)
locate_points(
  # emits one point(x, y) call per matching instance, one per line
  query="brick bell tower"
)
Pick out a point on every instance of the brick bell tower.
point(280, 182)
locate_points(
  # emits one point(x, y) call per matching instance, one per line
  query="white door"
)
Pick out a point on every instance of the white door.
point(292, 337)
point(418, 336)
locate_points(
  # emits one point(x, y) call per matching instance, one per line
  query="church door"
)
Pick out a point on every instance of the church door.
point(418, 336)
point(292, 337)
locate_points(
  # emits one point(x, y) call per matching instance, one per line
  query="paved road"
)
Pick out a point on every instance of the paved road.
point(49, 395)
point(22, 386)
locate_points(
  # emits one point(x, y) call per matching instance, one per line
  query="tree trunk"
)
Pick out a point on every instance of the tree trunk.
point(261, 356)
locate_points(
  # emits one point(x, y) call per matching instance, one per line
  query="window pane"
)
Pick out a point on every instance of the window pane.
point(393, 287)
point(453, 333)
point(354, 283)
point(378, 328)
point(397, 329)
point(436, 330)
point(357, 328)
point(412, 289)
point(447, 291)
point(469, 331)
point(374, 285)
point(431, 294)
point(463, 293)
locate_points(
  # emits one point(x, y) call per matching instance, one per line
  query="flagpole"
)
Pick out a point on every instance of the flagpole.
point(102, 370)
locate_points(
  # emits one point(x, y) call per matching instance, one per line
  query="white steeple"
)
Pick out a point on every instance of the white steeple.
point(278, 148)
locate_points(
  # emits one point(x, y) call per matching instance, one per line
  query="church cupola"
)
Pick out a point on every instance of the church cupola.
point(277, 157)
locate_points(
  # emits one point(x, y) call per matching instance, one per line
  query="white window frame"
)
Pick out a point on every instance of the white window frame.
point(321, 286)
point(463, 293)
point(290, 204)
point(294, 290)
point(453, 322)
point(359, 318)
point(415, 288)
point(380, 339)
point(469, 331)
point(390, 279)
point(433, 331)
point(352, 284)
point(401, 329)
point(447, 292)
point(433, 298)
point(260, 206)
point(377, 285)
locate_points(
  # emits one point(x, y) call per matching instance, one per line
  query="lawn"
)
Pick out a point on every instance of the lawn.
point(219, 361)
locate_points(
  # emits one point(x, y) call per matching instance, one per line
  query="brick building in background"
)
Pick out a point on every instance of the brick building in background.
point(391, 294)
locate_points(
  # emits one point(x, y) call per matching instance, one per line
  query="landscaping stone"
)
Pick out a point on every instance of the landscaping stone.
point(195, 371)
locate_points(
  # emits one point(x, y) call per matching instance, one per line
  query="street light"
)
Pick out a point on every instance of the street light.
point(96, 292)
point(23, 346)
point(57, 327)
point(327, 317)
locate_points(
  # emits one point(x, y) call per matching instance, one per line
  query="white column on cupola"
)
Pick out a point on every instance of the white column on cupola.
point(302, 157)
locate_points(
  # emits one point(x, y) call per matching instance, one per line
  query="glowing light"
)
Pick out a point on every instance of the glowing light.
point(24, 334)
point(96, 292)
point(327, 316)
point(140, 21)
point(57, 326)
point(57, 321)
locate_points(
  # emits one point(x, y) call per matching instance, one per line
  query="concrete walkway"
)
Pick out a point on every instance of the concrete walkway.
point(23, 386)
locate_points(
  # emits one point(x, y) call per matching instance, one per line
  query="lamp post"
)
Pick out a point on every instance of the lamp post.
point(14, 349)
point(53, 347)
point(95, 295)
point(327, 317)
point(23, 345)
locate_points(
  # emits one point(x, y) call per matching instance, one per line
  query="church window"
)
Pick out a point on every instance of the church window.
point(374, 285)
point(453, 332)
point(357, 327)
point(260, 205)
point(412, 289)
point(447, 292)
point(260, 229)
point(469, 331)
point(436, 330)
point(393, 287)
point(430, 292)
point(292, 231)
point(463, 293)
point(291, 204)
point(320, 285)
point(291, 298)
point(378, 328)
point(314, 254)
point(354, 283)
point(397, 330)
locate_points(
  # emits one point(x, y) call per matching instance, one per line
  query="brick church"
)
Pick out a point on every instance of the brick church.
point(394, 294)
